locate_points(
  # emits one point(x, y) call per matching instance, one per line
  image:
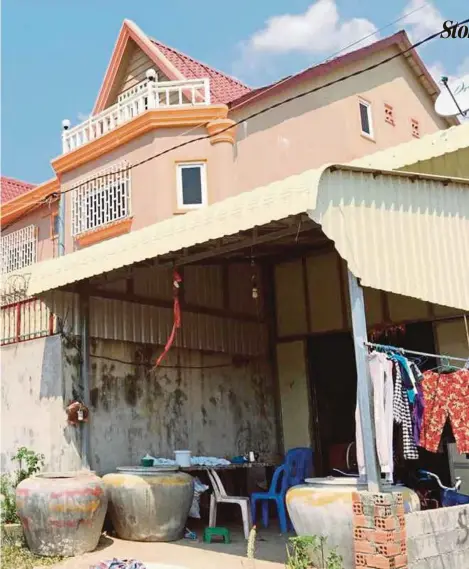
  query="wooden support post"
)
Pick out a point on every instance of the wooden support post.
point(364, 390)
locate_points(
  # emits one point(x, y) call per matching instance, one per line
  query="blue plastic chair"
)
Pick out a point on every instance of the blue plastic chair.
point(298, 465)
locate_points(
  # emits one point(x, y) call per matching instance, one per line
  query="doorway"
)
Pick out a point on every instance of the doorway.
point(333, 386)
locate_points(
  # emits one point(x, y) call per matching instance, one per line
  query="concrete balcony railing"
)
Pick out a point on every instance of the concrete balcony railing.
point(148, 94)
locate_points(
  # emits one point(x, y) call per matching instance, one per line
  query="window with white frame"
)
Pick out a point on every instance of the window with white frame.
point(101, 199)
point(365, 118)
point(19, 249)
point(191, 185)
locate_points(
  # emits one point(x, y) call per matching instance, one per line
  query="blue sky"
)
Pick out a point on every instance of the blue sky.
point(55, 53)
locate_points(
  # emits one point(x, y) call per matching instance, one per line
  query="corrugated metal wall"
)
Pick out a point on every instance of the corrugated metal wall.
point(236, 330)
point(327, 301)
point(132, 322)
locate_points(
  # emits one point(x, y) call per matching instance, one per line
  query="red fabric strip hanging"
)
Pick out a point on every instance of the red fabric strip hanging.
point(176, 317)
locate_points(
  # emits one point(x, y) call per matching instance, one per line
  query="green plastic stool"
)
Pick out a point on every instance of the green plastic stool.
point(217, 532)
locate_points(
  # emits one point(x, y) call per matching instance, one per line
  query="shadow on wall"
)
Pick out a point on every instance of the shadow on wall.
point(37, 385)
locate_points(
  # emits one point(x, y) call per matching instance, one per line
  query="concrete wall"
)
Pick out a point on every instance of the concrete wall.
point(36, 385)
point(438, 539)
point(211, 404)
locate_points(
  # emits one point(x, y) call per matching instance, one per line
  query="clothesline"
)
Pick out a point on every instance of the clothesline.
point(403, 350)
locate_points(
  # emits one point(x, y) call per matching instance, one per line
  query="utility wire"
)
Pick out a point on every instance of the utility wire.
point(269, 108)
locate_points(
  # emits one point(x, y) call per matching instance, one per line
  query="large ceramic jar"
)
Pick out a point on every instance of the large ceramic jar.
point(149, 503)
point(62, 513)
point(323, 506)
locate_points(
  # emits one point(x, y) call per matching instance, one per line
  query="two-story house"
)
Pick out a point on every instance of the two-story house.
point(115, 172)
point(169, 135)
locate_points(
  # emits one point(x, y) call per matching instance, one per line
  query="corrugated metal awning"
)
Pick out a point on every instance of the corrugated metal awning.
point(399, 232)
point(442, 152)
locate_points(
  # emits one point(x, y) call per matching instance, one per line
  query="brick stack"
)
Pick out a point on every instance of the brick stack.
point(379, 531)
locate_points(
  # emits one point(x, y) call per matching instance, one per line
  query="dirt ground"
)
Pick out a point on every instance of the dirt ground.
point(186, 554)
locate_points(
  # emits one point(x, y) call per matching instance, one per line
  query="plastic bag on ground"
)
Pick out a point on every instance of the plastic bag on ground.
point(199, 489)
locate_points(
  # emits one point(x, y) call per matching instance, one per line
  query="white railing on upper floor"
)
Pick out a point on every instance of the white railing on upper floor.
point(19, 249)
point(135, 101)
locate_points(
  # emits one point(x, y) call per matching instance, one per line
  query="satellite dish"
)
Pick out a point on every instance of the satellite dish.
point(446, 106)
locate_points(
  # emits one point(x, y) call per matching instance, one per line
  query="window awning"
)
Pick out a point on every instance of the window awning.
point(400, 232)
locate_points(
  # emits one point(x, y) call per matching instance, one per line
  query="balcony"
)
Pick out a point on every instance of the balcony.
point(148, 94)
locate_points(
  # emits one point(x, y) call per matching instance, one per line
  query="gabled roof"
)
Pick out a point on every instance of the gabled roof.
point(223, 88)
point(400, 40)
point(174, 64)
point(12, 188)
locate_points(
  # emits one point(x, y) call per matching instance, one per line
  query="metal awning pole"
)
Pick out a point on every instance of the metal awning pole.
point(364, 391)
point(85, 374)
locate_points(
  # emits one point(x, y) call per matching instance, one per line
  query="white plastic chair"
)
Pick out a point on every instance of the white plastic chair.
point(219, 496)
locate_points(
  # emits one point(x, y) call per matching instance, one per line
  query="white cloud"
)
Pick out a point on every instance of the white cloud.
point(422, 22)
point(83, 116)
point(463, 67)
point(319, 30)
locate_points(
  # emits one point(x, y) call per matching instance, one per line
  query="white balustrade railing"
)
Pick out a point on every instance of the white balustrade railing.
point(135, 101)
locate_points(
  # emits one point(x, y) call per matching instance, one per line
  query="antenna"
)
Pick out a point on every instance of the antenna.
point(444, 80)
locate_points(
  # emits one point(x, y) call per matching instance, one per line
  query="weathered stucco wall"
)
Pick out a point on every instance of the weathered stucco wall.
point(212, 404)
point(438, 539)
point(36, 386)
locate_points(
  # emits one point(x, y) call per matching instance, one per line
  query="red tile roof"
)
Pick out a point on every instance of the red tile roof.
point(12, 188)
point(399, 39)
point(223, 88)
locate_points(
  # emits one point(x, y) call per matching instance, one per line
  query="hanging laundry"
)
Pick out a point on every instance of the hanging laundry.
point(407, 375)
point(402, 414)
point(382, 385)
point(446, 396)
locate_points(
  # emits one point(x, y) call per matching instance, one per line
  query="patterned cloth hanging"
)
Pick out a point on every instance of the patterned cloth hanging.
point(446, 398)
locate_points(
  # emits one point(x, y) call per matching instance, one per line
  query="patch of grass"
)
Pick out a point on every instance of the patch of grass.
point(19, 557)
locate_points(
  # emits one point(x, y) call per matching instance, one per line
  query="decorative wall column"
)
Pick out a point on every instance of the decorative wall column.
point(223, 136)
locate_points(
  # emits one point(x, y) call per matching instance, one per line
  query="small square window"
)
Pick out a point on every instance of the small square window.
point(389, 114)
point(415, 128)
point(191, 185)
point(365, 118)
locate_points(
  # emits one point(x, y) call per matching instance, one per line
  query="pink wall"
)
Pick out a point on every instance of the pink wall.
point(324, 126)
point(316, 129)
point(153, 183)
